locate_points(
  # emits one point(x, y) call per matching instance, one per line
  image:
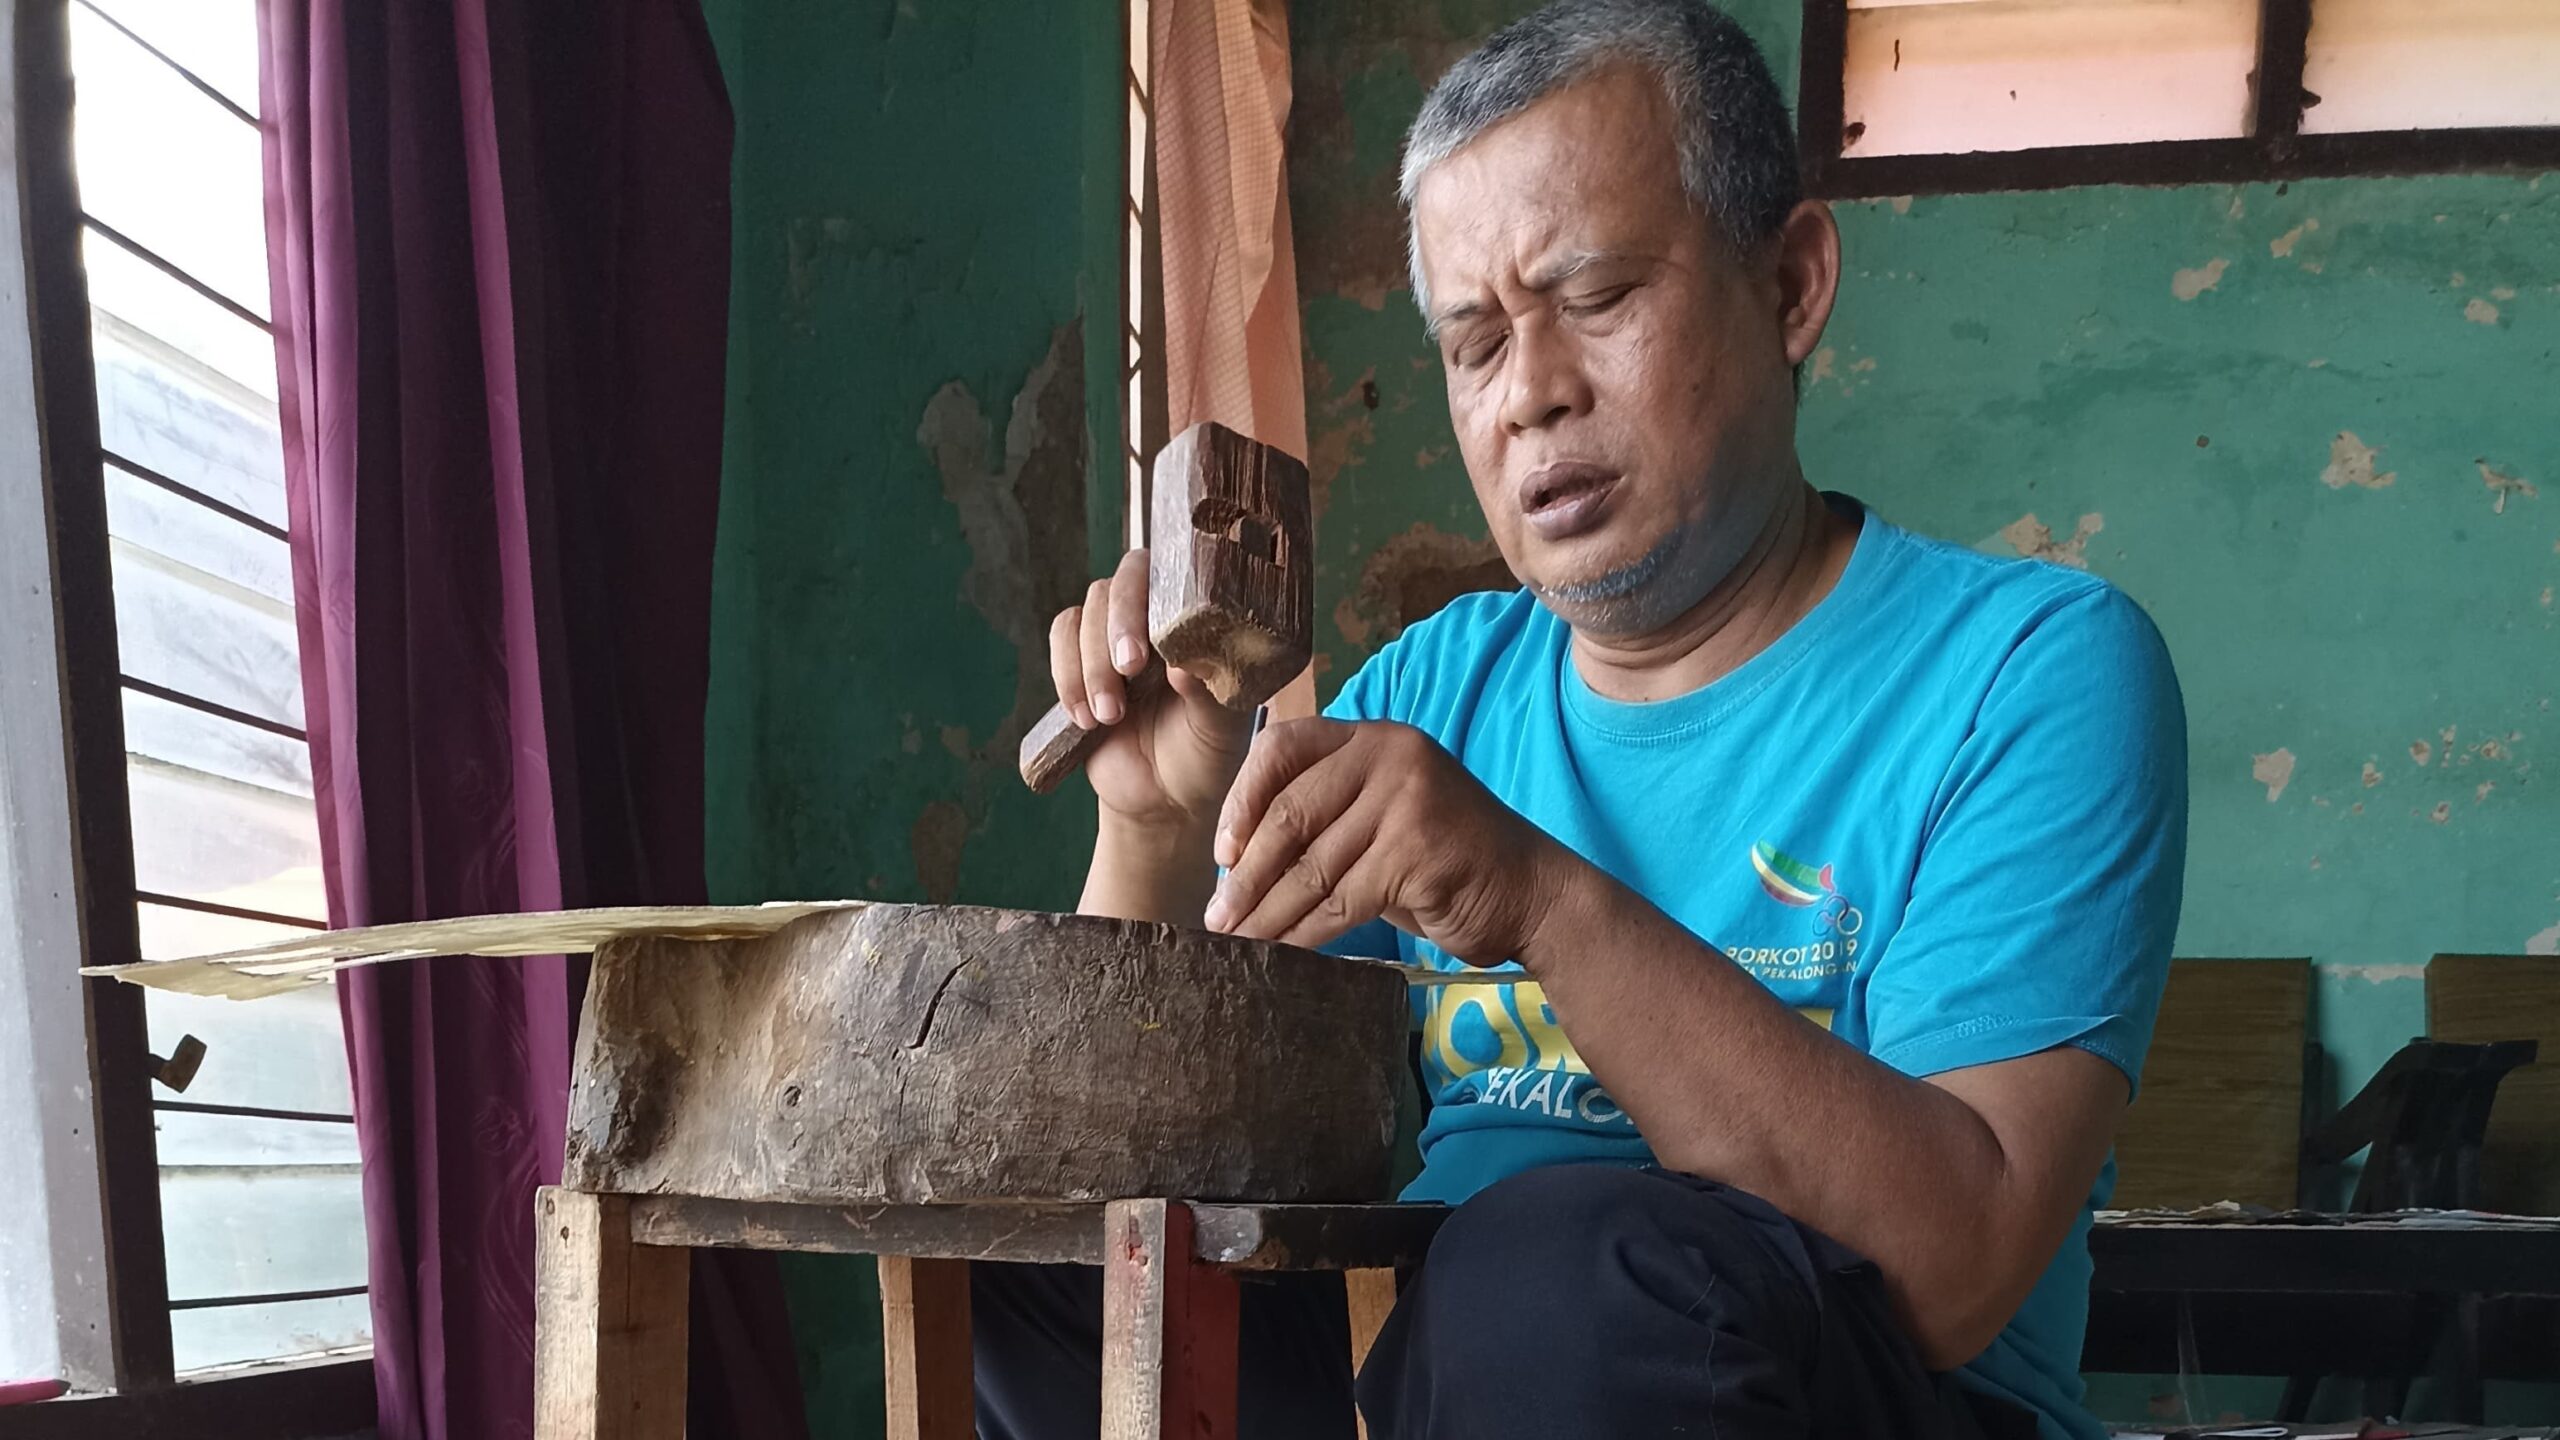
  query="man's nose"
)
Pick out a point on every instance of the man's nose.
point(1546, 383)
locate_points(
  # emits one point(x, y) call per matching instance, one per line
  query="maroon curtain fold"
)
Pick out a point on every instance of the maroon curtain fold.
point(499, 243)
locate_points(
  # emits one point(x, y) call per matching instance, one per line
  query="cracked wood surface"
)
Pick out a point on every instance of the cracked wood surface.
point(928, 1054)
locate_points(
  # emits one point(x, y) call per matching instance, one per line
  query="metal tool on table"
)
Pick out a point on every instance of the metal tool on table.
point(1230, 585)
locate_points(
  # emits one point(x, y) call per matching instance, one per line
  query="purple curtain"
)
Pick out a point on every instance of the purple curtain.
point(499, 241)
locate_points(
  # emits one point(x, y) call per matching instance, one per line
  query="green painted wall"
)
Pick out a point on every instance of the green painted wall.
point(2150, 383)
point(924, 283)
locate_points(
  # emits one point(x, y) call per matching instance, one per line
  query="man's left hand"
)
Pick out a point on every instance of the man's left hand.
point(1332, 824)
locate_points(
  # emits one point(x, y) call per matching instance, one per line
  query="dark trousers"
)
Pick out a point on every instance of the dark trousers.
point(1573, 1301)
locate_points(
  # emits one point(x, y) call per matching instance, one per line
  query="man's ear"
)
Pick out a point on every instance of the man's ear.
point(1808, 247)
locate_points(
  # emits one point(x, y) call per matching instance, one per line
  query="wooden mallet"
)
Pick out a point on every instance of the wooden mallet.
point(1230, 585)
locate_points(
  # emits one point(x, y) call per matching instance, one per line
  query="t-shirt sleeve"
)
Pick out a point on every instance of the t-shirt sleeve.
point(2045, 900)
point(1368, 695)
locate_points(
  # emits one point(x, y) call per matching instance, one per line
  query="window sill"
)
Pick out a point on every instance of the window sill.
point(320, 1399)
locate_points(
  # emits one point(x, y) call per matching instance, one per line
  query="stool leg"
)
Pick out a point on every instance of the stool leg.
point(924, 1336)
point(609, 1324)
point(1169, 1333)
point(1369, 1295)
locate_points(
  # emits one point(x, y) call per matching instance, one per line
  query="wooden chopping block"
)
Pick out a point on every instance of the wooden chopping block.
point(1231, 592)
point(917, 1054)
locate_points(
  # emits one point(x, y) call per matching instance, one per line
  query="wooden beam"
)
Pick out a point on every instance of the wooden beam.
point(924, 1338)
point(2276, 98)
point(1371, 1297)
point(1169, 1329)
point(609, 1324)
point(1821, 100)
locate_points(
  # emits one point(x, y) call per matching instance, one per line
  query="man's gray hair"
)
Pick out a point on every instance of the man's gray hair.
point(1737, 146)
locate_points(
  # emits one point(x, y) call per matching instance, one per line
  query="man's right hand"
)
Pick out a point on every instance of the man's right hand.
point(1166, 764)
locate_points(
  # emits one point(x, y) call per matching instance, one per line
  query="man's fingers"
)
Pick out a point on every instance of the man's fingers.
point(1358, 899)
point(1102, 687)
point(1288, 824)
point(1066, 664)
point(1320, 889)
point(1278, 758)
point(1129, 614)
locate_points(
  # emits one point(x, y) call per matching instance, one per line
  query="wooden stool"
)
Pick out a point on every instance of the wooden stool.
point(609, 1353)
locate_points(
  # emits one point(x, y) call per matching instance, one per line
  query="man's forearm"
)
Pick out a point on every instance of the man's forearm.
point(1726, 1082)
point(1149, 872)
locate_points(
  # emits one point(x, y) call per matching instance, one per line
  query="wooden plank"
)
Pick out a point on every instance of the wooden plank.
point(609, 1324)
point(924, 1338)
point(1316, 1237)
point(2220, 1114)
point(1169, 1329)
point(1033, 1232)
point(2372, 1259)
point(915, 1054)
point(1238, 1237)
point(2475, 999)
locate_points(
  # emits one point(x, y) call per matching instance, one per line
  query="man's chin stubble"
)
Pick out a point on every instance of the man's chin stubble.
point(1615, 602)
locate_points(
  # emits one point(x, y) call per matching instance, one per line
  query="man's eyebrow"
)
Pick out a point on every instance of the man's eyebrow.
point(1564, 267)
point(1463, 310)
point(1545, 278)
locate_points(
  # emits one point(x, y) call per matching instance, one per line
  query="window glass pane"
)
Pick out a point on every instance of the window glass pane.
point(186, 739)
point(252, 1230)
point(2432, 64)
point(178, 627)
point(285, 1052)
point(149, 300)
point(165, 165)
point(169, 933)
point(207, 839)
point(261, 1231)
point(163, 409)
point(203, 1339)
point(217, 40)
point(178, 528)
point(1945, 77)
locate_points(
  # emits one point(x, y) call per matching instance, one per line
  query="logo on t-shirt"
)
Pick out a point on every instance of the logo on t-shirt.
point(1830, 946)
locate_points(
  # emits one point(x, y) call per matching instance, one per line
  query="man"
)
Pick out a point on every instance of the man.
point(1826, 875)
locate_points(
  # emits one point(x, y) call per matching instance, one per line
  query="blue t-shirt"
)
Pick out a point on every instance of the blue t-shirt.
point(1944, 815)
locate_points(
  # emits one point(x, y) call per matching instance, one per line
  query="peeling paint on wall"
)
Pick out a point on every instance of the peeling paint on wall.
point(2480, 312)
point(2351, 463)
point(935, 841)
point(2501, 484)
point(2188, 284)
point(2546, 942)
point(1023, 516)
point(2273, 770)
point(1340, 431)
point(2282, 245)
point(2034, 539)
point(1411, 577)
